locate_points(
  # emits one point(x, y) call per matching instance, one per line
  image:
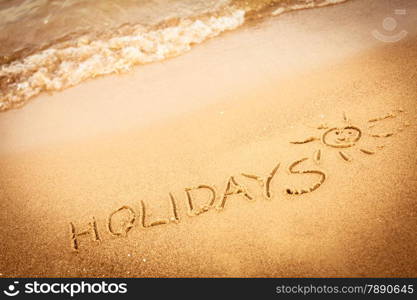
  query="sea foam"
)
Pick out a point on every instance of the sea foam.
point(69, 62)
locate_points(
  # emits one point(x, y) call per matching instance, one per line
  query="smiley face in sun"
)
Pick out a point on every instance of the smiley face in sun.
point(341, 137)
point(347, 136)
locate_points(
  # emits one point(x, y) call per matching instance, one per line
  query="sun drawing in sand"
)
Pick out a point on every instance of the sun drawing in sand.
point(347, 136)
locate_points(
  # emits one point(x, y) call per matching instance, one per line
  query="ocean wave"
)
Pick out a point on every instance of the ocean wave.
point(91, 51)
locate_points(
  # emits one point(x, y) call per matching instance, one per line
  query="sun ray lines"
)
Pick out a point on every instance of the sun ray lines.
point(317, 156)
point(345, 156)
point(366, 151)
point(307, 140)
point(348, 136)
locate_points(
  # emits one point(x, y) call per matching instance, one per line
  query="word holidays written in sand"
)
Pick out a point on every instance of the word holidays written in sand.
point(340, 138)
point(122, 220)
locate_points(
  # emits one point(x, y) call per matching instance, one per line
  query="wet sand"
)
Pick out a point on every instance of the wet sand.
point(231, 106)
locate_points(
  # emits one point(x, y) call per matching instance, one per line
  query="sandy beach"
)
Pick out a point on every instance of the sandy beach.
point(285, 148)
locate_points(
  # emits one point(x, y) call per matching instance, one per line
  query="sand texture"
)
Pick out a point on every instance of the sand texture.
point(287, 148)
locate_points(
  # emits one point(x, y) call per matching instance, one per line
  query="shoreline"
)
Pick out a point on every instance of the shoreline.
point(69, 62)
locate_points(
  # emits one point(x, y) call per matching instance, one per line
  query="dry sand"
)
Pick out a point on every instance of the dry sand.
point(229, 107)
